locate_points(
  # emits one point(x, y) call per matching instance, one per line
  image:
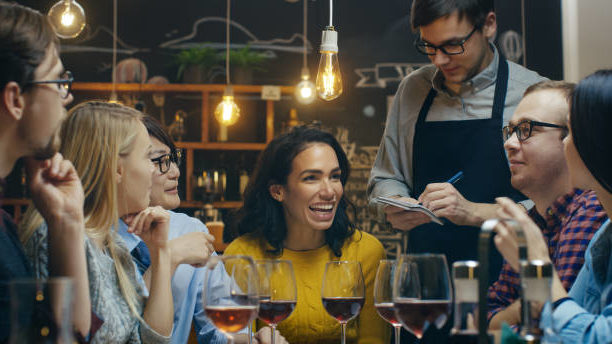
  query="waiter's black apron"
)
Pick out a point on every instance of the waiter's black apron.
point(444, 148)
point(475, 147)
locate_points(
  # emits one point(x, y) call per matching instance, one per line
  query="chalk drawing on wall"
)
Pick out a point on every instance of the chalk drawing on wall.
point(383, 73)
point(102, 33)
point(293, 44)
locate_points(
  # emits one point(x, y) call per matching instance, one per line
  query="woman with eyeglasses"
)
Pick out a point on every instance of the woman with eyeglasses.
point(190, 243)
point(111, 151)
point(584, 315)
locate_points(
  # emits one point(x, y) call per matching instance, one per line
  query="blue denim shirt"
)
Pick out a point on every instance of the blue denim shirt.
point(187, 284)
point(587, 317)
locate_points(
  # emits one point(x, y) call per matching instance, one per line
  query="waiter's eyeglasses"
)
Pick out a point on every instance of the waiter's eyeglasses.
point(523, 129)
point(164, 161)
point(451, 48)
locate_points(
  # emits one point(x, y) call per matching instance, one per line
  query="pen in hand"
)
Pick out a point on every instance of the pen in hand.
point(457, 177)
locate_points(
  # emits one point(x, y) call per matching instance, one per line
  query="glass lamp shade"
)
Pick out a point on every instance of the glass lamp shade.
point(67, 18)
point(227, 112)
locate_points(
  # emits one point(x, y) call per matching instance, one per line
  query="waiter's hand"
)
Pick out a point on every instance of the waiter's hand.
point(403, 219)
point(445, 201)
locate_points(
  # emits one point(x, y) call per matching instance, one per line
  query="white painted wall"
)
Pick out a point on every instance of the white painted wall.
point(587, 37)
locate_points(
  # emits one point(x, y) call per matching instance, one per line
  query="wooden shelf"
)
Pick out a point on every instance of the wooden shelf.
point(205, 144)
point(221, 145)
point(218, 205)
point(15, 201)
point(134, 87)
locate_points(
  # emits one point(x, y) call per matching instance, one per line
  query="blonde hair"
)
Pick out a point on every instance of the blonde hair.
point(94, 136)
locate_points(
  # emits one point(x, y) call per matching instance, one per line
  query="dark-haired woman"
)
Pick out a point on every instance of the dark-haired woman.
point(295, 209)
point(585, 314)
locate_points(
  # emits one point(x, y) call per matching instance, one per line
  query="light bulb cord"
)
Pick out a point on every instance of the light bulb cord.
point(227, 45)
point(114, 80)
point(331, 12)
point(305, 29)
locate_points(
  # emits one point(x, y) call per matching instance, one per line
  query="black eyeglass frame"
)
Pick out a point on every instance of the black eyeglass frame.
point(164, 161)
point(508, 130)
point(421, 45)
point(68, 80)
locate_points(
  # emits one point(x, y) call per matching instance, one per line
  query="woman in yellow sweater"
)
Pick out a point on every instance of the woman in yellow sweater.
point(294, 209)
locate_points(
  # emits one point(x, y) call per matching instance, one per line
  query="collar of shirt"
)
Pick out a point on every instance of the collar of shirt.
point(550, 222)
point(480, 81)
point(131, 240)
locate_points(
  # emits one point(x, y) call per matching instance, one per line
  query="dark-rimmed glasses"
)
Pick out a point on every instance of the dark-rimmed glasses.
point(164, 161)
point(451, 48)
point(523, 129)
point(64, 85)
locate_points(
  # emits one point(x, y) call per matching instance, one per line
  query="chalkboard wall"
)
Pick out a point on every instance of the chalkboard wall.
point(375, 44)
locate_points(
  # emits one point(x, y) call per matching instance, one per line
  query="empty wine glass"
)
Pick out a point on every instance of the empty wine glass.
point(422, 293)
point(343, 291)
point(41, 311)
point(277, 291)
point(234, 305)
point(383, 295)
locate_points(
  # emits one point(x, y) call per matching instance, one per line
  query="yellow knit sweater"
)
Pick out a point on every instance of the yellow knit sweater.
point(309, 322)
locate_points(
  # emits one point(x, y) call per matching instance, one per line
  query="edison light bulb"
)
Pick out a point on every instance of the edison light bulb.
point(305, 89)
point(329, 79)
point(67, 18)
point(227, 112)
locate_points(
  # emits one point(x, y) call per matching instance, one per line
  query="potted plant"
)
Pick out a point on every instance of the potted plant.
point(243, 62)
point(197, 65)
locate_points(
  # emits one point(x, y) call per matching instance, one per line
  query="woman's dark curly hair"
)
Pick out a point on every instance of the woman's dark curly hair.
point(263, 216)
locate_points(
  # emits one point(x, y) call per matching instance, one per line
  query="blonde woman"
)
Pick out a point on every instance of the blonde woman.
point(110, 149)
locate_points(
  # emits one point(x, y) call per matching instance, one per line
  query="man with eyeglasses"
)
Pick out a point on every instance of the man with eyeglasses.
point(447, 117)
point(567, 217)
point(34, 90)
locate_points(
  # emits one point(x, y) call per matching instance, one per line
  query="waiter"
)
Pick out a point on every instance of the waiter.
point(445, 118)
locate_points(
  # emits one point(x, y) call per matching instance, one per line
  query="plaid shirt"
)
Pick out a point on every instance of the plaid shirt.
point(568, 226)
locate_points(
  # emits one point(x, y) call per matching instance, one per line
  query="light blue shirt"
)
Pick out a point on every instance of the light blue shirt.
point(587, 318)
point(187, 284)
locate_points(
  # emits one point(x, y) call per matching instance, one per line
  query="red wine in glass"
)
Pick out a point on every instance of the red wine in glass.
point(273, 312)
point(343, 308)
point(416, 314)
point(387, 311)
point(230, 319)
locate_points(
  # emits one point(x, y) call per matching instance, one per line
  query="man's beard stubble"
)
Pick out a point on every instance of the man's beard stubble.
point(50, 149)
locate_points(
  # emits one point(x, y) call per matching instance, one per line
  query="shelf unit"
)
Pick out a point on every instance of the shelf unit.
point(205, 144)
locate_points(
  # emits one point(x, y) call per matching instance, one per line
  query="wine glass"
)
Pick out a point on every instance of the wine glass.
point(234, 305)
point(383, 295)
point(343, 291)
point(422, 293)
point(277, 291)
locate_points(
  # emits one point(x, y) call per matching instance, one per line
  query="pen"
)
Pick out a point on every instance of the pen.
point(457, 177)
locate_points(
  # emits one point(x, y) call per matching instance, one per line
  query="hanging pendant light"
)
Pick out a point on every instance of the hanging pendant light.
point(329, 78)
point(227, 112)
point(305, 92)
point(67, 18)
point(113, 96)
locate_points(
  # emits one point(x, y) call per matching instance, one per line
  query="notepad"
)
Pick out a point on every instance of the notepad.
point(410, 207)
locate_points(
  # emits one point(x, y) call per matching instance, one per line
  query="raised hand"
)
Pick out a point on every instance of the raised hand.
point(56, 189)
point(506, 241)
point(192, 248)
point(151, 225)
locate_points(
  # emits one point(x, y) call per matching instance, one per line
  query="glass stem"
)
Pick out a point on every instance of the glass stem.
point(250, 334)
point(398, 330)
point(343, 326)
point(273, 327)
